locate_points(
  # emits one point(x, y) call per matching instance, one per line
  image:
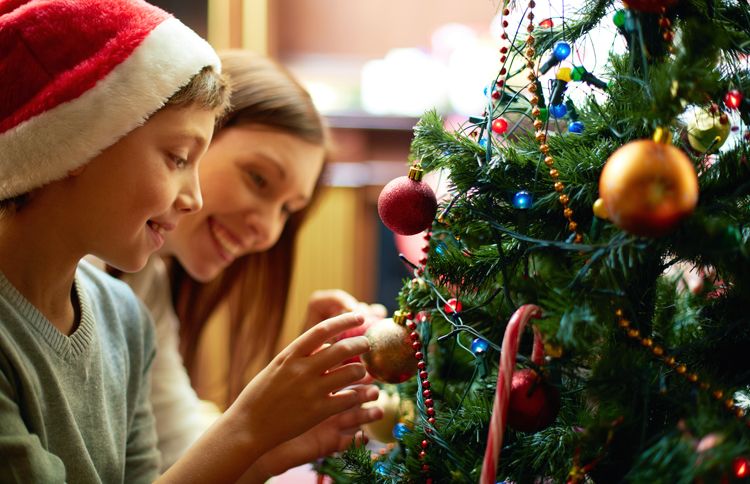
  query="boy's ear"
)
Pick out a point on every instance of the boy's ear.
point(77, 171)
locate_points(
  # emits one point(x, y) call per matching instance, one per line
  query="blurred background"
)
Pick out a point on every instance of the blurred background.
point(372, 67)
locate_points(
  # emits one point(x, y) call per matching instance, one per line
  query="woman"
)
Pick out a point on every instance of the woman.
point(234, 257)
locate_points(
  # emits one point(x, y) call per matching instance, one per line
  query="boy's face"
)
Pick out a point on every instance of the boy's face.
point(140, 187)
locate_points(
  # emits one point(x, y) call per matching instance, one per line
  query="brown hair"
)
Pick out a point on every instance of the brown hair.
point(256, 285)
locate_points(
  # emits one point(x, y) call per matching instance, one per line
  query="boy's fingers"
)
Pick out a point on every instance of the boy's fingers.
point(339, 351)
point(342, 377)
point(314, 337)
point(342, 400)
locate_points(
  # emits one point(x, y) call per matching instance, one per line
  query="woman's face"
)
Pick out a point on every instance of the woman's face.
point(252, 178)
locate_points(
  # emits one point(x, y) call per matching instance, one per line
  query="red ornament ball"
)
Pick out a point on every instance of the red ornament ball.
point(649, 6)
point(733, 99)
point(648, 187)
point(533, 404)
point(547, 23)
point(407, 206)
point(500, 126)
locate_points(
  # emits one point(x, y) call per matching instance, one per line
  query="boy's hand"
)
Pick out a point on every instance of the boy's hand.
point(304, 384)
point(334, 434)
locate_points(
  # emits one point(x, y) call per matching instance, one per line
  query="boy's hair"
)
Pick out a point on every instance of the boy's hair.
point(208, 89)
point(76, 76)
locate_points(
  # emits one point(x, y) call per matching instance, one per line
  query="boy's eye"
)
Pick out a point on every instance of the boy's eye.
point(258, 179)
point(180, 162)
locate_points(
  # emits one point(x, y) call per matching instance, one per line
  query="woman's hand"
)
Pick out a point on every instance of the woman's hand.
point(332, 302)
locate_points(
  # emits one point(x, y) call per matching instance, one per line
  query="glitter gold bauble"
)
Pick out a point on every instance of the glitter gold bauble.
point(395, 410)
point(382, 430)
point(648, 187)
point(391, 356)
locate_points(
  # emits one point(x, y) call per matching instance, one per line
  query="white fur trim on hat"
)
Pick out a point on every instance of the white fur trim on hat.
point(48, 146)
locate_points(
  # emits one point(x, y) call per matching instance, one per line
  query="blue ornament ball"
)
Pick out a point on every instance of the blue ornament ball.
point(479, 346)
point(561, 50)
point(483, 142)
point(576, 127)
point(399, 430)
point(558, 110)
point(381, 468)
point(522, 200)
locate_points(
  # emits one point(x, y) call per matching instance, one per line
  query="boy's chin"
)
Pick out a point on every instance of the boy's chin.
point(131, 265)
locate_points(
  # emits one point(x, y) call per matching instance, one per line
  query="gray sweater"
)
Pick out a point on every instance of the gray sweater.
point(76, 408)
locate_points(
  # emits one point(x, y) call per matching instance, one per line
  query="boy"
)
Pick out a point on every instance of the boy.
point(106, 107)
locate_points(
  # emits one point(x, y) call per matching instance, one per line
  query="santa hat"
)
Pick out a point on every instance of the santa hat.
point(77, 75)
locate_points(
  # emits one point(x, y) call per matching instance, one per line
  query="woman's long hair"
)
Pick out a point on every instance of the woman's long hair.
point(255, 286)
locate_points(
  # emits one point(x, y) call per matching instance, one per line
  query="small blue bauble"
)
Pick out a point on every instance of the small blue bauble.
point(561, 50)
point(483, 142)
point(479, 346)
point(399, 430)
point(575, 127)
point(522, 200)
point(381, 468)
point(558, 110)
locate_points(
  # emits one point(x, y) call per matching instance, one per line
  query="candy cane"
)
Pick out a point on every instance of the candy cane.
point(511, 340)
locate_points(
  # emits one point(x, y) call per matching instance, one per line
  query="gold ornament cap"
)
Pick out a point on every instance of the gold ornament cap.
point(399, 317)
point(662, 135)
point(415, 172)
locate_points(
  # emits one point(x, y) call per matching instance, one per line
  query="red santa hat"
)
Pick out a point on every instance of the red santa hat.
point(77, 75)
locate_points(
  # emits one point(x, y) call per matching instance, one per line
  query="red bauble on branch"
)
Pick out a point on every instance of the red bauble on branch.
point(649, 6)
point(407, 205)
point(534, 403)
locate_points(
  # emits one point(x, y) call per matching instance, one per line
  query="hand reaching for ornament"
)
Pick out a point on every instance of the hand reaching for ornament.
point(334, 434)
point(303, 384)
point(301, 387)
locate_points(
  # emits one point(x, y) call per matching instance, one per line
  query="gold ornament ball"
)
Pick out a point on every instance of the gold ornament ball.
point(391, 356)
point(648, 187)
point(382, 430)
point(705, 128)
point(395, 411)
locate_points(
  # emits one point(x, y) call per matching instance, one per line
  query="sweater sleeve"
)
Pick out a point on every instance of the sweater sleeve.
point(24, 459)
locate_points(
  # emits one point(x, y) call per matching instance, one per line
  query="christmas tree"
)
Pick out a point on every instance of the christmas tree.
point(581, 312)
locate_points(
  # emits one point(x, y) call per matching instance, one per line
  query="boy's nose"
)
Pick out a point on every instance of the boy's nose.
point(190, 199)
